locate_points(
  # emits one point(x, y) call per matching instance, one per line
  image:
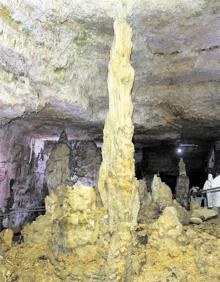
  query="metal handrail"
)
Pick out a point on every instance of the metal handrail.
point(211, 190)
point(23, 210)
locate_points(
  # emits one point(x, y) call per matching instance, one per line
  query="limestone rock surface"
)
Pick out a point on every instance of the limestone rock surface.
point(117, 184)
point(54, 59)
point(69, 233)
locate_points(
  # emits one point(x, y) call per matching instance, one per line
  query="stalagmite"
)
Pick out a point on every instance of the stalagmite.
point(117, 183)
point(182, 186)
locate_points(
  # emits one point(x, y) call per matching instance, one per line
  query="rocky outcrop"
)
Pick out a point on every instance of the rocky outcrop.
point(72, 230)
point(72, 242)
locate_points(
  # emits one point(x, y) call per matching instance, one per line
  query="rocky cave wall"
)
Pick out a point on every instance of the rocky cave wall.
point(25, 160)
point(23, 173)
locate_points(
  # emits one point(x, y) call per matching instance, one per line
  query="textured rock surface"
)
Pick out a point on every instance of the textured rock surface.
point(117, 185)
point(23, 187)
point(70, 233)
point(74, 240)
point(28, 167)
point(54, 59)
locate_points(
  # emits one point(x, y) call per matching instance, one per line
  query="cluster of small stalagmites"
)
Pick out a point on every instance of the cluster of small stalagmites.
point(73, 242)
point(73, 232)
point(178, 253)
point(154, 202)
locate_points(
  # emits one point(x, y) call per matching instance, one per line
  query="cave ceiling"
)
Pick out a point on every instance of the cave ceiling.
point(54, 61)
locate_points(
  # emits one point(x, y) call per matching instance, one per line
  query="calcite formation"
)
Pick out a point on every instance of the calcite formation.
point(70, 232)
point(182, 186)
point(72, 242)
point(31, 167)
point(175, 253)
point(117, 184)
point(58, 171)
point(153, 204)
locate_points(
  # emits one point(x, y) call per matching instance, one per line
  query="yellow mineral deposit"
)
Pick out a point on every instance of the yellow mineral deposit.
point(117, 183)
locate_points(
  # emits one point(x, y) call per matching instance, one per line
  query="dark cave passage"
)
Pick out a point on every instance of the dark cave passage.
point(163, 159)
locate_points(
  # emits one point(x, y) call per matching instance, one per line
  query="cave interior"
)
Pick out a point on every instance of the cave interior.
point(110, 141)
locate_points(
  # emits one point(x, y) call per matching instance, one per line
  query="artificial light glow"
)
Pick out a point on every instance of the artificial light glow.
point(179, 150)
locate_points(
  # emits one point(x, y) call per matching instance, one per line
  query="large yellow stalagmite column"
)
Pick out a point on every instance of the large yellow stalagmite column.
point(117, 183)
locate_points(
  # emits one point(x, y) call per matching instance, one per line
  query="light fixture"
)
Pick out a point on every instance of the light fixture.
point(179, 151)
